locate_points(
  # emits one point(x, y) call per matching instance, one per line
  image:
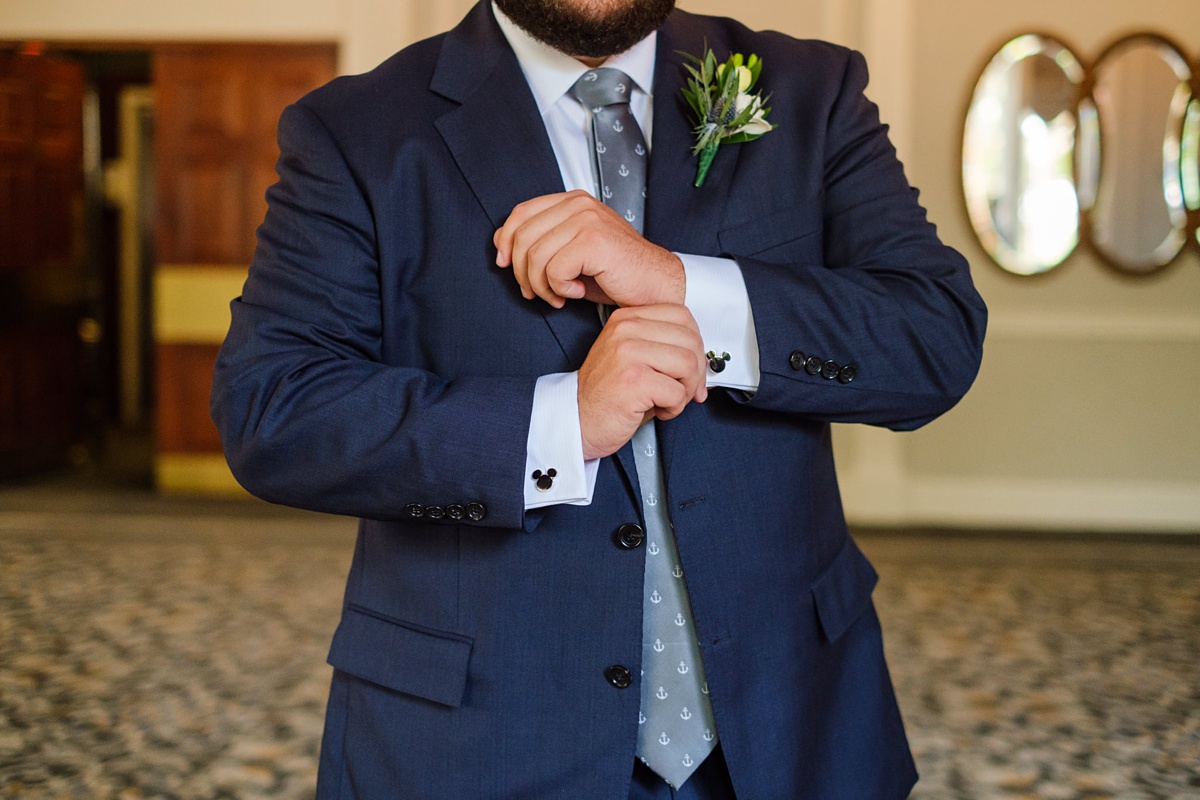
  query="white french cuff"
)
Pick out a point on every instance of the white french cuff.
point(555, 444)
point(716, 295)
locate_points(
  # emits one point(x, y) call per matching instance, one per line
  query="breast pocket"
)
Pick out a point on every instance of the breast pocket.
point(790, 235)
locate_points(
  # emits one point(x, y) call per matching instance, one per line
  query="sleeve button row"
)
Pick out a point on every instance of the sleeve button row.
point(829, 370)
point(472, 511)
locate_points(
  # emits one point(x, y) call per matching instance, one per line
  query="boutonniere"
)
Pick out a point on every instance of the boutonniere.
point(726, 111)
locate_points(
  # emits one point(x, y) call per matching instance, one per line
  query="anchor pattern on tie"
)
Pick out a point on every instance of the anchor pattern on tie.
point(680, 729)
point(676, 729)
point(621, 152)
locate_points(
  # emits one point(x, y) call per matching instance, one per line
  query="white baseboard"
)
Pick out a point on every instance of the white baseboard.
point(1014, 503)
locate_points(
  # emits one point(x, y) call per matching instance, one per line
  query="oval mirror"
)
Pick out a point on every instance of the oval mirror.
point(1019, 153)
point(1141, 96)
point(1190, 159)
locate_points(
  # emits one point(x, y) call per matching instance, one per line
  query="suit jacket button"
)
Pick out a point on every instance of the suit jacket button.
point(435, 512)
point(415, 510)
point(812, 365)
point(847, 374)
point(619, 676)
point(630, 536)
point(829, 370)
point(455, 511)
point(796, 360)
point(476, 512)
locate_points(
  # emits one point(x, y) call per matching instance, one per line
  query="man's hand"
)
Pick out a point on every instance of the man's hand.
point(647, 362)
point(572, 246)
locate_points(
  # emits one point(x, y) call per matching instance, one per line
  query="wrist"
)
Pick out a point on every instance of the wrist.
point(674, 284)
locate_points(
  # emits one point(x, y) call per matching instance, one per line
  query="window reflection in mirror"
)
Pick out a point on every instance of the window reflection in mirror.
point(1019, 153)
point(1190, 158)
point(1142, 94)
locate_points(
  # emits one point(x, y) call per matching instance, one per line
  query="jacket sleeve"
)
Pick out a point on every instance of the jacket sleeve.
point(309, 413)
point(886, 311)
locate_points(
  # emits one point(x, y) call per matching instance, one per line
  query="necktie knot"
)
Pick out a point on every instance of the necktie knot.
point(601, 87)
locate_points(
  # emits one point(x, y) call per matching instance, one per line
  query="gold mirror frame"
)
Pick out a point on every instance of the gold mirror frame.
point(1037, 181)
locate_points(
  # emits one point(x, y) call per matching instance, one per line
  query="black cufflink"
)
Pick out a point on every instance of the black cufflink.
point(545, 479)
point(716, 362)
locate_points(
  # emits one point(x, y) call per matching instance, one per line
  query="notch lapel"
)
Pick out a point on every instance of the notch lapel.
point(498, 140)
point(680, 216)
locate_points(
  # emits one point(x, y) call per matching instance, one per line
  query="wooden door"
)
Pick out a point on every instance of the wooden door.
point(216, 111)
point(42, 282)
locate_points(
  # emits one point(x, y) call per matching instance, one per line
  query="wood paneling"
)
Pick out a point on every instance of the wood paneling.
point(184, 379)
point(42, 283)
point(41, 162)
point(217, 107)
point(40, 396)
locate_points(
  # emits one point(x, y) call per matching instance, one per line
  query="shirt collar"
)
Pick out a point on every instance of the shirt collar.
point(551, 74)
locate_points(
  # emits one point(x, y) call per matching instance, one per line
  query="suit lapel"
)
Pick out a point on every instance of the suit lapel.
point(680, 216)
point(498, 140)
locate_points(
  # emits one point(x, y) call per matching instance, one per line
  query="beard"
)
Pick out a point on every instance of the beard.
point(589, 32)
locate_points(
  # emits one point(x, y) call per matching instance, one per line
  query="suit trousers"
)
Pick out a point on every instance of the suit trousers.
point(709, 782)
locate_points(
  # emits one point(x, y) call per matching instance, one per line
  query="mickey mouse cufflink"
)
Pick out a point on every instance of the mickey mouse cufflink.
point(716, 362)
point(544, 480)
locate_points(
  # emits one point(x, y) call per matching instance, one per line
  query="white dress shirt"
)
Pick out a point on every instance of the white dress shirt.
point(715, 292)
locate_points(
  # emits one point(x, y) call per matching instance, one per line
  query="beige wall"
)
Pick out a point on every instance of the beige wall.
point(1085, 413)
point(1086, 410)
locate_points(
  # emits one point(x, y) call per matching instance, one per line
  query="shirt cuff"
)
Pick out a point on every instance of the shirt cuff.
point(716, 295)
point(555, 472)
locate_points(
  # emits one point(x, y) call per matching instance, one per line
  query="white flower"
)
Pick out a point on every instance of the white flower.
point(758, 124)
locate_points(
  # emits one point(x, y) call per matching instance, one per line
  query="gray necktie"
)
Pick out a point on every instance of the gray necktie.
point(676, 729)
point(620, 149)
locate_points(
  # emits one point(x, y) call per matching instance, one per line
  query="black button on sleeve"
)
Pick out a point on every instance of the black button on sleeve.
point(476, 512)
point(812, 365)
point(847, 373)
point(455, 511)
point(829, 370)
point(630, 536)
point(796, 360)
point(435, 512)
point(415, 510)
point(619, 676)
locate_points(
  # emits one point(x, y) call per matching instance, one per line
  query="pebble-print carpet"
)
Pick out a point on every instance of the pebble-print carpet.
point(175, 649)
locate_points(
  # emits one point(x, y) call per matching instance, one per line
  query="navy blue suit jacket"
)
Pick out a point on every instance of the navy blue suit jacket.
point(378, 360)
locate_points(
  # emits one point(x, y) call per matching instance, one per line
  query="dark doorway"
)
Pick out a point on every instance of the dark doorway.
point(76, 191)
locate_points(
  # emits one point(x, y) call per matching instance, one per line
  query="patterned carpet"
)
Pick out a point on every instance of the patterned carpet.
point(155, 648)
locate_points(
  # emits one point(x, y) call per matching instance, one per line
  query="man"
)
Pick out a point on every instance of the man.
point(421, 343)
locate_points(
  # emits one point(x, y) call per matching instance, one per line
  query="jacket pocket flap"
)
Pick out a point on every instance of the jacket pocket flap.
point(764, 234)
point(843, 591)
point(425, 663)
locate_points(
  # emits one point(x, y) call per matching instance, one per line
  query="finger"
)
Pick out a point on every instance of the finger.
point(502, 238)
point(538, 240)
point(593, 293)
point(523, 212)
point(552, 273)
point(668, 398)
point(676, 363)
point(642, 326)
point(670, 324)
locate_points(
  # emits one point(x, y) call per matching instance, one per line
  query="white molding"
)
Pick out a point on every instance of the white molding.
point(1095, 327)
point(1027, 503)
